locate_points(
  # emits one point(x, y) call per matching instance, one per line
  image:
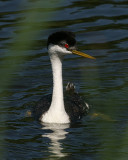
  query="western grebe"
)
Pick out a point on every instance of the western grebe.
point(59, 107)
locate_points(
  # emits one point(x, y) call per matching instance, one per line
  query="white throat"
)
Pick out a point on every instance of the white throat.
point(56, 112)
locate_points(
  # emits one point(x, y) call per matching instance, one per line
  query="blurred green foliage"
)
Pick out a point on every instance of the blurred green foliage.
point(29, 28)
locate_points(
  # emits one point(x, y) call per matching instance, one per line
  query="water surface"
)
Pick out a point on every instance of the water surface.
point(101, 31)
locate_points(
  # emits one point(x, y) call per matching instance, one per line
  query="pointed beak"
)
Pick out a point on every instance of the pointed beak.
point(82, 54)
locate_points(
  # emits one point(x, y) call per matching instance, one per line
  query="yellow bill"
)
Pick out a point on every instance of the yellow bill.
point(82, 54)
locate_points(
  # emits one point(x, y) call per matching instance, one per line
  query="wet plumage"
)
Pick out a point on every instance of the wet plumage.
point(75, 105)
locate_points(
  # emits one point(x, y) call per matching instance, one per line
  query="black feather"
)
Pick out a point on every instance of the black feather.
point(75, 105)
point(57, 37)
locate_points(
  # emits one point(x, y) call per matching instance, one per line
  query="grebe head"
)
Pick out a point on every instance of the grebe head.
point(63, 43)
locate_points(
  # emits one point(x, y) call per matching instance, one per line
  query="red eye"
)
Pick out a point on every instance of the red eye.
point(66, 45)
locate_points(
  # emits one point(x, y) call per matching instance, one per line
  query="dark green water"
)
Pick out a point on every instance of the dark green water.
point(101, 29)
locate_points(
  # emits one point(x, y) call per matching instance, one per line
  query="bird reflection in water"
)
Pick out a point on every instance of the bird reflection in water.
point(58, 133)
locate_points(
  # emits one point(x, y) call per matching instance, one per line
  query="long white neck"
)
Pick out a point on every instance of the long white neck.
point(57, 96)
point(56, 112)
